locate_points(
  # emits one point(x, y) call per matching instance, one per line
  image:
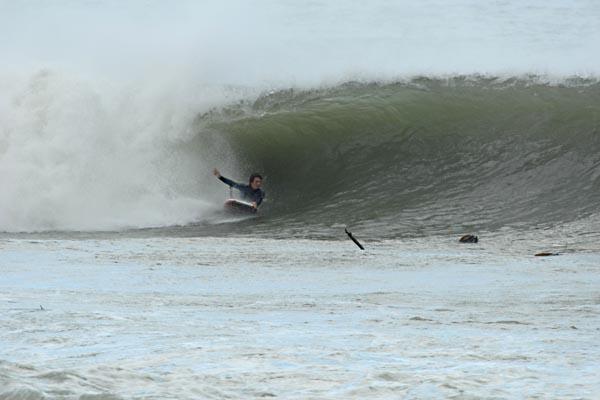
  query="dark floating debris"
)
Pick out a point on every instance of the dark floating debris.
point(354, 239)
point(42, 308)
point(546, 254)
point(468, 239)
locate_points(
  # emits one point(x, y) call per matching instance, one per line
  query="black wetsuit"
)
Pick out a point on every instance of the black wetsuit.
point(248, 193)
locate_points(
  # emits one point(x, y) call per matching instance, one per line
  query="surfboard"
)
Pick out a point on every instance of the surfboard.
point(239, 207)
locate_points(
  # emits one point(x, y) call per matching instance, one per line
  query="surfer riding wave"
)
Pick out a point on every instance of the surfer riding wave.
point(251, 192)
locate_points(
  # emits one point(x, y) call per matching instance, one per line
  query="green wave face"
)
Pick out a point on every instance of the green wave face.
point(421, 157)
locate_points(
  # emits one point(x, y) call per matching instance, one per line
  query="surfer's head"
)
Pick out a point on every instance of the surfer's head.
point(255, 181)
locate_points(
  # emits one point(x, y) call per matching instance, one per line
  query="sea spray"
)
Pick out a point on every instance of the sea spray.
point(81, 155)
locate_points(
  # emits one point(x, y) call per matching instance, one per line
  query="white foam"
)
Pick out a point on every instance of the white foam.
point(83, 154)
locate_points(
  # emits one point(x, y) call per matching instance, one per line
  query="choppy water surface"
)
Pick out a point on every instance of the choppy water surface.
point(244, 318)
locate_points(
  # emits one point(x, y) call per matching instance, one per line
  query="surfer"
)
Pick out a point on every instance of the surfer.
point(250, 192)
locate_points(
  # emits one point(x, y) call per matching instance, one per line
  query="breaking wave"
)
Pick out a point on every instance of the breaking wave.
point(421, 156)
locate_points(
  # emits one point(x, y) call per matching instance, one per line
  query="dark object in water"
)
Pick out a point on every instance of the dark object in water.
point(468, 239)
point(546, 254)
point(354, 239)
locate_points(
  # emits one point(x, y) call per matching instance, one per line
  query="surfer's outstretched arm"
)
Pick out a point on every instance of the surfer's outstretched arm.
point(226, 181)
point(231, 183)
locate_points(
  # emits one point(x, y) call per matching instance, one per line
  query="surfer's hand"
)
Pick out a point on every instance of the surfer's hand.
point(216, 173)
point(254, 205)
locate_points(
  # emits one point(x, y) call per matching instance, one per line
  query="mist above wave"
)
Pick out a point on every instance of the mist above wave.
point(288, 43)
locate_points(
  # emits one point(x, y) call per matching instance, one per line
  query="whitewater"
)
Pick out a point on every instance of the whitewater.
point(409, 123)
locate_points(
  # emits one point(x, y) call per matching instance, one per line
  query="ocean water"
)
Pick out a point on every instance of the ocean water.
point(224, 317)
point(410, 123)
